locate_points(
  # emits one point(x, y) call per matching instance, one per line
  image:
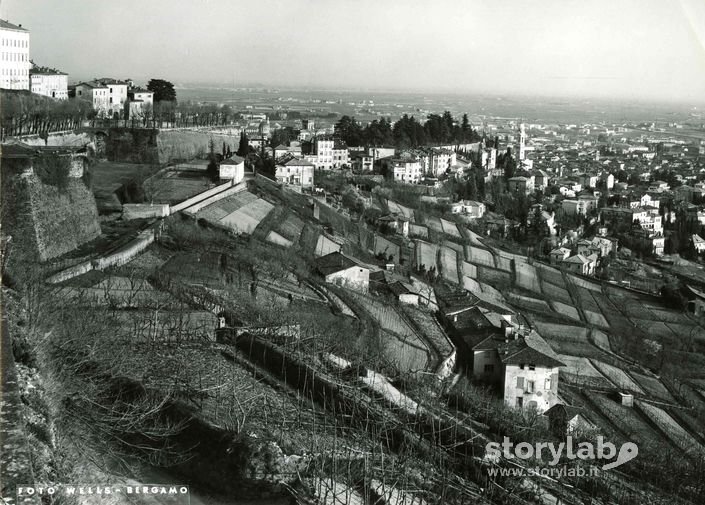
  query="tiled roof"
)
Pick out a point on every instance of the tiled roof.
point(334, 262)
point(529, 348)
point(6, 25)
point(233, 160)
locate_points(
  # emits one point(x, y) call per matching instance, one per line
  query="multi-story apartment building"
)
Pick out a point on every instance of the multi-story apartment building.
point(14, 61)
point(95, 93)
point(406, 170)
point(296, 172)
point(330, 153)
point(49, 82)
point(117, 95)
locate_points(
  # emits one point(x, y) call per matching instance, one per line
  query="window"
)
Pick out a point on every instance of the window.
point(547, 384)
point(532, 367)
point(489, 368)
point(520, 382)
point(521, 366)
point(520, 402)
point(530, 386)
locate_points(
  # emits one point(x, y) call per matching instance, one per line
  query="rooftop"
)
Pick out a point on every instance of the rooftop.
point(521, 348)
point(6, 25)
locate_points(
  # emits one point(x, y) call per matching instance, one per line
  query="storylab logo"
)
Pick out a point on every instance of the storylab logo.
point(554, 453)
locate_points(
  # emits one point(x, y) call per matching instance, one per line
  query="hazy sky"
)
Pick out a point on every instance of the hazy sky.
point(653, 49)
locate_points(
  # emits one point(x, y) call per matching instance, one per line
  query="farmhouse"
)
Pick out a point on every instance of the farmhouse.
point(338, 269)
point(522, 364)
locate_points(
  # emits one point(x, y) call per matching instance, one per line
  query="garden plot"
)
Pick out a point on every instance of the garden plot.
point(528, 303)
point(654, 387)
point(433, 223)
point(220, 209)
point(494, 276)
point(479, 256)
point(675, 432)
point(550, 274)
point(667, 316)
point(618, 377)
point(387, 317)
point(491, 295)
point(455, 246)
point(527, 278)
point(626, 419)
point(387, 248)
point(601, 340)
point(580, 371)
point(291, 227)
point(586, 300)
point(475, 239)
point(687, 332)
point(450, 228)
point(557, 293)
point(655, 329)
point(246, 218)
point(325, 245)
point(400, 209)
point(449, 264)
point(596, 319)
point(504, 263)
point(566, 310)
point(426, 254)
point(241, 212)
point(417, 230)
point(402, 353)
point(585, 283)
point(471, 285)
point(277, 239)
point(469, 270)
point(562, 331)
point(431, 330)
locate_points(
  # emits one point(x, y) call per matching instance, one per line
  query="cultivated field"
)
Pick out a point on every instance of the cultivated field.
point(450, 228)
point(426, 254)
point(449, 264)
point(400, 209)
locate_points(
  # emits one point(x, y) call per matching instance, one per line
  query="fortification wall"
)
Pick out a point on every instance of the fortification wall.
point(46, 222)
point(189, 144)
point(205, 202)
point(59, 139)
point(63, 219)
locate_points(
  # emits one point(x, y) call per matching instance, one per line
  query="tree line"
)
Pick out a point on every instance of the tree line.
point(407, 132)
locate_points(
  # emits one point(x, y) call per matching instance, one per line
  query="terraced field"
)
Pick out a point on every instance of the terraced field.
point(449, 264)
point(426, 254)
point(674, 431)
point(618, 377)
point(627, 420)
point(449, 228)
point(241, 212)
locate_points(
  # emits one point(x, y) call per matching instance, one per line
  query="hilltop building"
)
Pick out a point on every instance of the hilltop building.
point(95, 93)
point(49, 82)
point(14, 64)
point(296, 172)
